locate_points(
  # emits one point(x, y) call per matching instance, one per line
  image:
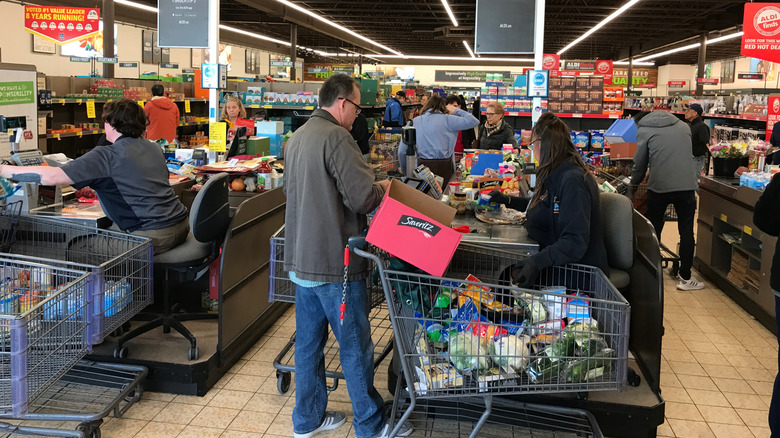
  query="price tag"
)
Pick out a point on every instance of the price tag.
point(142, 103)
point(81, 133)
point(577, 116)
point(308, 107)
point(267, 106)
point(233, 162)
point(79, 101)
point(254, 106)
point(62, 101)
point(186, 106)
point(218, 137)
point(57, 136)
point(747, 230)
point(91, 109)
point(723, 218)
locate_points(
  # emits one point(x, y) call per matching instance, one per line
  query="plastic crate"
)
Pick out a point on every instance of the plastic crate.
point(43, 329)
point(120, 266)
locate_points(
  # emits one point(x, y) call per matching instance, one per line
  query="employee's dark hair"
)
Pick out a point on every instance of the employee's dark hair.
point(158, 90)
point(638, 116)
point(336, 87)
point(126, 116)
point(555, 149)
point(435, 104)
point(451, 98)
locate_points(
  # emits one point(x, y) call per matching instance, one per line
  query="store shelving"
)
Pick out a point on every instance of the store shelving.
point(749, 117)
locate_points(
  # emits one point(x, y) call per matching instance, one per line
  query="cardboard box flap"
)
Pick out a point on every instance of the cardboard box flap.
point(438, 211)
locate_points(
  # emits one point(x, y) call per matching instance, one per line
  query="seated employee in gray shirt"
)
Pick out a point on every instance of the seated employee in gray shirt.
point(129, 176)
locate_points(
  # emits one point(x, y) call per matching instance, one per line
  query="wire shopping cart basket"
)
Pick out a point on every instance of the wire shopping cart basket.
point(85, 395)
point(469, 334)
point(43, 329)
point(282, 289)
point(9, 220)
point(120, 266)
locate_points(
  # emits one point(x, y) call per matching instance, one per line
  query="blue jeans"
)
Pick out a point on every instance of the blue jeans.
point(315, 307)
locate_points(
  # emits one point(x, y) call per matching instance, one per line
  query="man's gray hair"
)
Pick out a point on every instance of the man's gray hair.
point(335, 87)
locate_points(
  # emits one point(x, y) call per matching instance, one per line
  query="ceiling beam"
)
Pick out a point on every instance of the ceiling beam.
point(301, 19)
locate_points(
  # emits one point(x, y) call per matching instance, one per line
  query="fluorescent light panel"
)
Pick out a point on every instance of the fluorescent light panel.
point(465, 43)
point(691, 46)
point(136, 5)
point(449, 12)
point(635, 63)
point(337, 26)
point(611, 17)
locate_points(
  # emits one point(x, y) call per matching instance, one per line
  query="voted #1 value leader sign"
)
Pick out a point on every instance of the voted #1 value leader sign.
point(761, 27)
point(61, 24)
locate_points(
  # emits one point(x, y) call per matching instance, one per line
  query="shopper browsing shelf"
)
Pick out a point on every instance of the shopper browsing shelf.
point(437, 130)
point(329, 190)
point(564, 214)
point(234, 114)
point(495, 132)
point(129, 176)
point(664, 145)
point(163, 116)
point(394, 112)
point(700, 137)
point(766, 216)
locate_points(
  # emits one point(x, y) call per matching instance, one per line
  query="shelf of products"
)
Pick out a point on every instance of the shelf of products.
point(749, 117)
point(75, 134)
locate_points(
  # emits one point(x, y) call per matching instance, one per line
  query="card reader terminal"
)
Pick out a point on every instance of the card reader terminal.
point(27, 158)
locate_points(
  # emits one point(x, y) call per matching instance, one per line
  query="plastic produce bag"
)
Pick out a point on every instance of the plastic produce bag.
point(467, 352)
point(511, 351)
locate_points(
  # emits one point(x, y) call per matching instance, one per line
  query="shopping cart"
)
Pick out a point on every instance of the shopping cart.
point(282, 289)
point(621, 184)
point(493, 339)
point(120, 266)
point(9, 220)
point(383, 155)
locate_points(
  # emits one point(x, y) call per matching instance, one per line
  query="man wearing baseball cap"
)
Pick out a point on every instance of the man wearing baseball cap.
point(700, 137)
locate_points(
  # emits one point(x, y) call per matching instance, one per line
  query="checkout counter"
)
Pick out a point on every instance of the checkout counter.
point(731, 251)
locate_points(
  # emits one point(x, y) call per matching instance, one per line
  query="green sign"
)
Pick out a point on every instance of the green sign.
point(13, 93)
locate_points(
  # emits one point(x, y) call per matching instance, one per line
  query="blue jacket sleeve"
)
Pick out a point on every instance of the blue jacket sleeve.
point(397, 113)
point(573, 225)
point(461, 120)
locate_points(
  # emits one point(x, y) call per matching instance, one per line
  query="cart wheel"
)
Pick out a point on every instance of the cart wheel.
point(120, 352)
point(283, 382)
point(633, 378)
point(90, 430)
point(193, 353)
point(116, 333)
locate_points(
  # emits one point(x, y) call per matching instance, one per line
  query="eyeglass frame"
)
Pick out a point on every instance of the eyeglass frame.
point(358, 109)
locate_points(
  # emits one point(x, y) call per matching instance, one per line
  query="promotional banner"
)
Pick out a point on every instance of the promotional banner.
point(772, 113)
point(640, 77)
point(61, 24)
point(466, 76)
point(707, 81)
point(761, 27)
point(676, 84)
point(551, 61)
point(599, 67)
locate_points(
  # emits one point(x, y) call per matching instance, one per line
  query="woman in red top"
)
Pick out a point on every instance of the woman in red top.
point(234, 114)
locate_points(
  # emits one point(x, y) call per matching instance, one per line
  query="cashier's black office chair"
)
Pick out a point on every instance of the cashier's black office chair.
point(617, 213)
point(209, 219)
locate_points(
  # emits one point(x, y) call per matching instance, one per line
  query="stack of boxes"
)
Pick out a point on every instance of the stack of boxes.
point(740, 273)
point(578, 95)
point(514, 99)
point(274, 130)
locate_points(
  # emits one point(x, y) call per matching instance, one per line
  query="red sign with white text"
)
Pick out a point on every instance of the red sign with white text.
point(61, 24)
point(676, 83)
point(772, 113)
point(551, 61)
point(761, 27)
point(707, 81)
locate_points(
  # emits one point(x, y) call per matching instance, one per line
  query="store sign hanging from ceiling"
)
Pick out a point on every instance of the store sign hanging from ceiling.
point(603, 67)
point(61, 24)
point(640, 77)
point(761, 27)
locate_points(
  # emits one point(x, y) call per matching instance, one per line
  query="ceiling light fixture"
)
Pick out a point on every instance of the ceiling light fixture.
point(255, 35)
point(690, 46)
point(471, 53)
point(635, 63)
point(611, 17)
point(136, 5)
point(449, 12)
point(337, 26)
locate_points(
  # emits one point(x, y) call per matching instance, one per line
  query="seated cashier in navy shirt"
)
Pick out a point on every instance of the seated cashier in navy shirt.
point(130, 178)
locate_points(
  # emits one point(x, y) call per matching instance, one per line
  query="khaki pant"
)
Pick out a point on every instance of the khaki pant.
point(163, 239)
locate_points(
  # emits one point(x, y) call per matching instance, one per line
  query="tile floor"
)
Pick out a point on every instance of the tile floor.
point(717, 372)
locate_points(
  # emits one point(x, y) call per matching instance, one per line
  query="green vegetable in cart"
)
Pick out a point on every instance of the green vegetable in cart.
point(511, 351)
point(553, 360)
point(532, 307)
point(590, 368)
point(468, 352)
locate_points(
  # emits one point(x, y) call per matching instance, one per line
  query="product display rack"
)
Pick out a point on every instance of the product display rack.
point(747, 117)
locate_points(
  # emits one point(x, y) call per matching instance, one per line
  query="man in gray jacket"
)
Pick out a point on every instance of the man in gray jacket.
point(664, 144)
point(330, 189)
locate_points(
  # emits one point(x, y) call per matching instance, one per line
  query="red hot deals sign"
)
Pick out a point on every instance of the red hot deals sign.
point(551, 61)
point(772, 113)
point(61, 24)
point(761, 26)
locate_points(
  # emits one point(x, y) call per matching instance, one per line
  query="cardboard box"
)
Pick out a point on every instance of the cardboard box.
point(268, 127)
point(414, 227)
point(622, 150)
point(258, 145)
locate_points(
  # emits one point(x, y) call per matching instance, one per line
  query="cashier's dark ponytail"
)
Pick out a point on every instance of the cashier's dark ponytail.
point(555, 147)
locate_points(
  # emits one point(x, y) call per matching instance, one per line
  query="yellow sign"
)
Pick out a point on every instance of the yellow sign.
point(218, 137)
point(186, 105)
point(747, 230)
point(91, 109)
point(723, 217)
point(267, 106)
point(142, 103)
